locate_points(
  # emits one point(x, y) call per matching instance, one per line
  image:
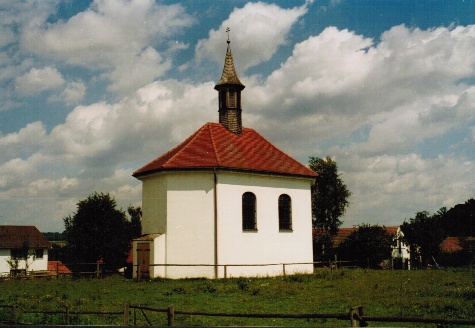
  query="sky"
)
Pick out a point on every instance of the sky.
point(90, 91)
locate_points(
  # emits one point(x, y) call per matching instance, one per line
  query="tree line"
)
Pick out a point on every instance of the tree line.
point(371, 244)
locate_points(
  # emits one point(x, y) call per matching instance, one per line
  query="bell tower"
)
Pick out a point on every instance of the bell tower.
point(229, 88)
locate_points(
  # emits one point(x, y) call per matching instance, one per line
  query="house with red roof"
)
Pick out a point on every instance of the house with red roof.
point(23, 249)
point(225, 202)
point(400, 253)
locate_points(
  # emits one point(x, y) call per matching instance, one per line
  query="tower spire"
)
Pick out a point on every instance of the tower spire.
point(229, 88)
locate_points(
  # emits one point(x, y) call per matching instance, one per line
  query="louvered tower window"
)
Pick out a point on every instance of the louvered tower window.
point(285, 212)
point(232, 99)
point(249, 221)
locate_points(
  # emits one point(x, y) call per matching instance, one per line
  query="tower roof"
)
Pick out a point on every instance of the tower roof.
point(214, 147)
point(229, 75)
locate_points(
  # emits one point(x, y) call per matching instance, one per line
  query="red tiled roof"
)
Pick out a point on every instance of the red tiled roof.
point(213, 146)
point(17, 236)
point(452, 244)
point(343, 233)
point(57, 267)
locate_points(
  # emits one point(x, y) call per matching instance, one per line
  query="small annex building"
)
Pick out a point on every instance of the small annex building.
point(26, 245)
point(225, 202)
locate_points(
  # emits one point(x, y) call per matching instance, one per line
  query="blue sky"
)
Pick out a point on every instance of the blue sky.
point(92, 90)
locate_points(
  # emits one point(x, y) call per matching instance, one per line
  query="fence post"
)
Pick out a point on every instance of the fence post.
point(351, 314)
point(15, 315)
point(361, 313)
point(225, 272)
point(67, 316)
point(97, 270)
point(135, 317)
point(126, 314)
point(171, 315)
point(283, 268)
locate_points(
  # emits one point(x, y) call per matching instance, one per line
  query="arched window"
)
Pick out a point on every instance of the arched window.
point(249, 211)
point(285, 212)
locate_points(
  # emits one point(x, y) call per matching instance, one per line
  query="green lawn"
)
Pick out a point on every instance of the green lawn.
point(444, 293)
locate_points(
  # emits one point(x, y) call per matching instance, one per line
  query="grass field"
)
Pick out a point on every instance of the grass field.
point(444, 293)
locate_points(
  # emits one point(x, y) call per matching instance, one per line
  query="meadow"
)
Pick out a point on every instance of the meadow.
point(443, 293)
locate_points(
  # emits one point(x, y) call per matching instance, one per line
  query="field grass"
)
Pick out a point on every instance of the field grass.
point(445, 293)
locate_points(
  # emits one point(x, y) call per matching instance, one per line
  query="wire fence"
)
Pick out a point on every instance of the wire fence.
point(101, 269)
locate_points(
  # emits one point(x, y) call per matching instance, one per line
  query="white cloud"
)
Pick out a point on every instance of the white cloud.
point(39, 80)
point(142, 70)
point(26, 141)
point(7, 37)
point(369, 104)
point(396, 187)
point(258, 29)
point(338, 82)
point(113, 37)
point(48, 186)
point(98, 147)
point(73, 93)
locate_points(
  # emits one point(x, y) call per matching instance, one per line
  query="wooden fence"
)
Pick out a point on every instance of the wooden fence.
point(355, 316)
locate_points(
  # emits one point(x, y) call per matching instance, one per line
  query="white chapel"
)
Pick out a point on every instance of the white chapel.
point(225, 202)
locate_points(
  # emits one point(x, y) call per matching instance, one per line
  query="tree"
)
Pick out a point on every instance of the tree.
point(424, 234)
point(135, 214)
point(98, 231)
point(323, 249)
point(329, 195)
point(460, 220)
point(369, 245)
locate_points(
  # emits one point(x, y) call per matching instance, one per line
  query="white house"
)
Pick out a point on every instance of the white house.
point(401, 252)
point(25, 245)
point(225, 202)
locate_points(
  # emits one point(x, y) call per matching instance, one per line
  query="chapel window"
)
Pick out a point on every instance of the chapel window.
point(249, 221)
point(285, 212)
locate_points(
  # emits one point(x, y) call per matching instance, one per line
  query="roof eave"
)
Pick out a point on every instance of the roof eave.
point(221, 168)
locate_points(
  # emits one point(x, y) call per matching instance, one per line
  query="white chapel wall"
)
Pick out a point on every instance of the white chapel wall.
point(267, 245)
point(154, 204)
point(190, 228)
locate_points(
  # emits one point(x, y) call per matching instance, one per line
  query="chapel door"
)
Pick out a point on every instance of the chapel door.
point(143, 260)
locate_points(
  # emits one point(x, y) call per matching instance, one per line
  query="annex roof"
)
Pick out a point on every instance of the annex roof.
point(214, 147)
point(58, 267)
point(17, 236)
